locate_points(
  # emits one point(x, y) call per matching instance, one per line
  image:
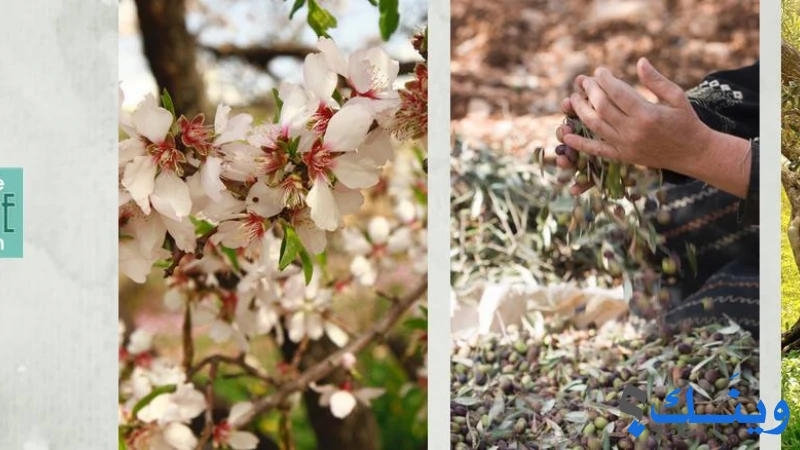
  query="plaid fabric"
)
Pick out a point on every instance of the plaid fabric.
point(722, 228)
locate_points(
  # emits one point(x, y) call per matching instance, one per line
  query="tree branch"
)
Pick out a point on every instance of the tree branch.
point(326, 366)
point(261, 56)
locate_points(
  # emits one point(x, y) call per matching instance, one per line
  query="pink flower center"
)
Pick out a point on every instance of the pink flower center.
point(292, 187)
point(229, 302)
point(254, 227)
point(275, 156)
point(195, 134)
point(222, 432)
point(319, 120)
point(318, 160)
point(167, 156)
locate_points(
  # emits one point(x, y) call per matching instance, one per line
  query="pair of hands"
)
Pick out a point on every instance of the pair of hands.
point(666, 135)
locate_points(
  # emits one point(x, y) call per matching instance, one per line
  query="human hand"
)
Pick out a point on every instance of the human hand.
point(666, 135)
point(630, 129)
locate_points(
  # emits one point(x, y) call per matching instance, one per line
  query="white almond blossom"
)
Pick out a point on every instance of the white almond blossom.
point(371, 73)
point(307, 305)
point(342, 402)
point(225, 434)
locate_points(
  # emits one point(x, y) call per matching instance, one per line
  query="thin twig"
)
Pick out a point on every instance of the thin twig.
point(178, 254)
point(188, 342)
point(233, 361)
point(209, 428)
point(298, 355)
point(326, 366)
point(286, 430)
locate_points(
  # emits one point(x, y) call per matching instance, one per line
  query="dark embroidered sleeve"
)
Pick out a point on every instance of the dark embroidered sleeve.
point(728, 102)
point(749, 206)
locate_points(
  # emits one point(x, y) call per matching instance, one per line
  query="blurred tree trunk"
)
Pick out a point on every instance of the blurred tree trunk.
point(790, 71)
point(171, 52)
point(358, 431)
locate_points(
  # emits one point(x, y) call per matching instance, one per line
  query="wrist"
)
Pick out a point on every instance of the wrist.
point(704, 150)
point(720, 160)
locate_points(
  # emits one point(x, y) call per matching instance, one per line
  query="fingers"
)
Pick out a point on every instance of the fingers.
point(591, 118)
point(591, 146)
point(666, 91)
point(603, 105)
point(578, 84)
point(566, 108)
point(624, 96)
point(562, 131)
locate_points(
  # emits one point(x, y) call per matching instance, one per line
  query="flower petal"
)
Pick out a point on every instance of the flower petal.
point(356, 171)
point(180, 436)
point(336, 334)
point(383, 66)
point(342, 404)
point(324, 210)
point(400, 240)
point(183, 232)
point(348, 128)
point(152, 122)
point(378, 230)
point(210, 173)
point(348, 201)
point(220, 331)
point(239, 410)
point(236, 129)
point(378, 147)
point(359, 72)
point(129, 149)
point(171, 196)
point(318, 76)
point(354, 242)
point(333, 56)
point(133, 264)
point(264, 200)
point(366, 395)
point(139, 180)
point(314, 239)
point(231, 234)
point(242, 440)
point(221, 118)
point(297, 327)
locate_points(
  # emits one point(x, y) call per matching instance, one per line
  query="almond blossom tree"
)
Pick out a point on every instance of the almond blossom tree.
point(245, 220)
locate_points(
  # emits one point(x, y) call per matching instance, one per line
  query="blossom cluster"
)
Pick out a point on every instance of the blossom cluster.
point(304, 170)
point(231, 206)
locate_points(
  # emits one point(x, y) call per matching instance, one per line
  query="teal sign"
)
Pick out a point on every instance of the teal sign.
point(11, 212)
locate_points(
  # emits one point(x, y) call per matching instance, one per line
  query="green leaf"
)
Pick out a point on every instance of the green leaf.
point(320, 19)
point(168, 389)
point(308, 265)
point(338, 97)
point(390, 17)
point(122, 444)
point(166, 100)
point(373, 2)
point(417, 323)
point(201, 227)
point(290, 247)
point(231, 254)
point(420, 195)
point(278, 105)
point(296, 7)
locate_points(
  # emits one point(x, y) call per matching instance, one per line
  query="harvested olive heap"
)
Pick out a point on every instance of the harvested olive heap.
point(561, 391)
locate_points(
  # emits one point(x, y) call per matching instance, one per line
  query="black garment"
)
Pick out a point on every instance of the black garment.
point(723, 228)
